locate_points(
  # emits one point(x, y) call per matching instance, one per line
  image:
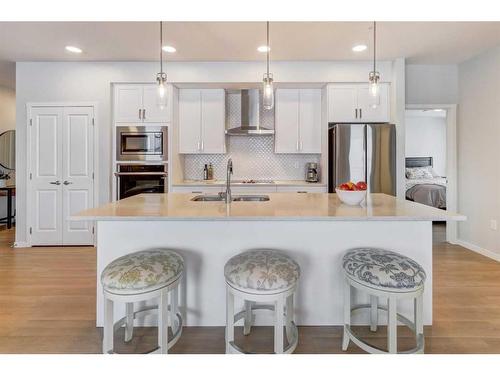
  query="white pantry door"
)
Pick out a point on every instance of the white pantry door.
point(45, 173)
point(77, 173)
point(61, 174)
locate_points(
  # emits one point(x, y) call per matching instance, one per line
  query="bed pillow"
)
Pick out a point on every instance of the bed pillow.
point(418, 173)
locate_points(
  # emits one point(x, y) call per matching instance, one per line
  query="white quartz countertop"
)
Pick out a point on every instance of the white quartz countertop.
point(281, 206)
point(239, 183)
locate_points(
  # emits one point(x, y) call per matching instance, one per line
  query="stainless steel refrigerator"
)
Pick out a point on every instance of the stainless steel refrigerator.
point(362, 152)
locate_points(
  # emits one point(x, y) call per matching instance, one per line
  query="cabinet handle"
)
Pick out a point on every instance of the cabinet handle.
point(67, 183)
point(144, 114)
point(360, 113)
point(55, 182)
point(298, 145)
point(301, 146)
point(301, 192)
point(202, 146)
point(140, 114)
point(356, 112)
point(198, 147)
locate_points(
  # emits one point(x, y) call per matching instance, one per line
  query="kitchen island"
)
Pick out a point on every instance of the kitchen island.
point(314, 228)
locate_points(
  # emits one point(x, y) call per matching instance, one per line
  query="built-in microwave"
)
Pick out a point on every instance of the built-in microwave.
point(141, 143)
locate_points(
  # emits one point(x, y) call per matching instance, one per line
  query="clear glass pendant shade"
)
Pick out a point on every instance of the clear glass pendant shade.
point(268, 92)
point(161, 96)
point(374, 89)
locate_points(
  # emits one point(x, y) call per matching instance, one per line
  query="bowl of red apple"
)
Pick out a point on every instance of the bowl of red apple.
point(351, 193)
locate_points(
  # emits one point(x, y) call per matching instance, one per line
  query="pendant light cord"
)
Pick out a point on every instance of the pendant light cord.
point(374, 44)
point(161, 47)
point(268, 48)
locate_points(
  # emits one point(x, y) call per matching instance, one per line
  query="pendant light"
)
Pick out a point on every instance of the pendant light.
point(161, 78)
point(267, 88)
point(374, 76)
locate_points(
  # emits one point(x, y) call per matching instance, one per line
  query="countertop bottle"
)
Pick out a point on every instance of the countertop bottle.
point(210, 171)
point(205, 172)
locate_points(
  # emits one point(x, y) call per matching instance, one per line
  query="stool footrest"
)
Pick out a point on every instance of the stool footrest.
point(419, 348)
point(152, 310)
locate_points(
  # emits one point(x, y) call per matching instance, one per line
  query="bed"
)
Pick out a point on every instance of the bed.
point(422, 183)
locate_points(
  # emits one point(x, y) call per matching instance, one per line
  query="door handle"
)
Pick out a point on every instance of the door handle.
point(356, 112)
point(67, 183)
point(144, 114)
point(140, 114)
point(55, 182)
point(360, 113)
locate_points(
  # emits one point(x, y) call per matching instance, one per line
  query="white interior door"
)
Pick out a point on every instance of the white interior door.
point(77, 173)
point(213, 121)
point(46, 175)
point(286, 125)
point(310, 121)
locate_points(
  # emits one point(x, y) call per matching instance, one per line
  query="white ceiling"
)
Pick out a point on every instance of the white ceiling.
point(418, 42)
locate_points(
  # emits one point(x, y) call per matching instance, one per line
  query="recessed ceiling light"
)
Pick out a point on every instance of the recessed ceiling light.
point(73, 49)
point(359, 48)
point(169, 49)
point(263, 49)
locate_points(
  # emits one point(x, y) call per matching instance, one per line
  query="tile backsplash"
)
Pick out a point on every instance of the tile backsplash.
point(253, 158)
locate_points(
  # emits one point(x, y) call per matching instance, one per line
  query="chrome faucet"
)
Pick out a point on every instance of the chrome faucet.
point(229, 172)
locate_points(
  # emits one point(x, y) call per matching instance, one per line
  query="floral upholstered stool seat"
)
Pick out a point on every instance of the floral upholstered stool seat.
point(264, 280)
point(139, 277)
point(383, 273)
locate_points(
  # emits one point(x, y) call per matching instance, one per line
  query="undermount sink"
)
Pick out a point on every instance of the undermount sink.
point(235, 198)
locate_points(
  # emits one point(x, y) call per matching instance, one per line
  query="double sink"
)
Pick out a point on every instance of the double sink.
point(234, 198)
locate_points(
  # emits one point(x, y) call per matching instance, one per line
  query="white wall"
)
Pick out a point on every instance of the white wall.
point(91, 81)
point(426, 136)
point(478, 147)
point(431, 84)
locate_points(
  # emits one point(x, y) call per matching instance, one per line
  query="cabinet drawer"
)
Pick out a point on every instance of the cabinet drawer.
point(198, 189)
point(301, 189)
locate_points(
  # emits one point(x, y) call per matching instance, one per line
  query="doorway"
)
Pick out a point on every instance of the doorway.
point(61, 173)
point(431, 159)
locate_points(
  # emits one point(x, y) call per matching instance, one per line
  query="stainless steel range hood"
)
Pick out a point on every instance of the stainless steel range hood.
point(250, 115)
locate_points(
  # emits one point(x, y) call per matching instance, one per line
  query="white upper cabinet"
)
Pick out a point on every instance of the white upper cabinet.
point(202, 121)
point(298, 121)
point(138, 103)
point(352, 103)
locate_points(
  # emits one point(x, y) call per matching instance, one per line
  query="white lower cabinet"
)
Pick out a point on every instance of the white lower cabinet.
point(301, 189)
point(199, 189)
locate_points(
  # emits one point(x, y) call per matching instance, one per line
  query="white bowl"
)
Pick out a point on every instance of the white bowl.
point(351, 197)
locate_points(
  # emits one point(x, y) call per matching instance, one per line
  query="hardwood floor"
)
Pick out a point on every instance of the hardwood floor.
point(47, 305)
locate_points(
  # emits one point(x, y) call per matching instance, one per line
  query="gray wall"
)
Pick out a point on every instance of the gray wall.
point(431, 84)
point(478, 146)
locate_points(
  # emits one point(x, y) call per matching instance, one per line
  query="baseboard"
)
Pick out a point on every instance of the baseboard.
point(21, 244)
point(479, 250)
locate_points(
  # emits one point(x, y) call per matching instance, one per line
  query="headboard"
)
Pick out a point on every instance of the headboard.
point(413, 162)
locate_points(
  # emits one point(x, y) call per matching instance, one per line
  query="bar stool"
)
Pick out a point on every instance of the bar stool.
point(137, 277)
point(265, 280)
point(386, 274)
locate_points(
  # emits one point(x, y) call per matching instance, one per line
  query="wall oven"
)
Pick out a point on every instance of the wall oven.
point(133, 179)
point(141, 143)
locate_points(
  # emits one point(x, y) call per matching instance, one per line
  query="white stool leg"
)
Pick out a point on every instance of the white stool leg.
point(248, 317)
point(289, 318)
point(419, 317)
point(129, 324)
point(174, 308)
point(229, 319)
point(163, 322)
point(278, 325)
point(373, 313)
point(107, 342)
point(347, 314)
point(392, 326)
